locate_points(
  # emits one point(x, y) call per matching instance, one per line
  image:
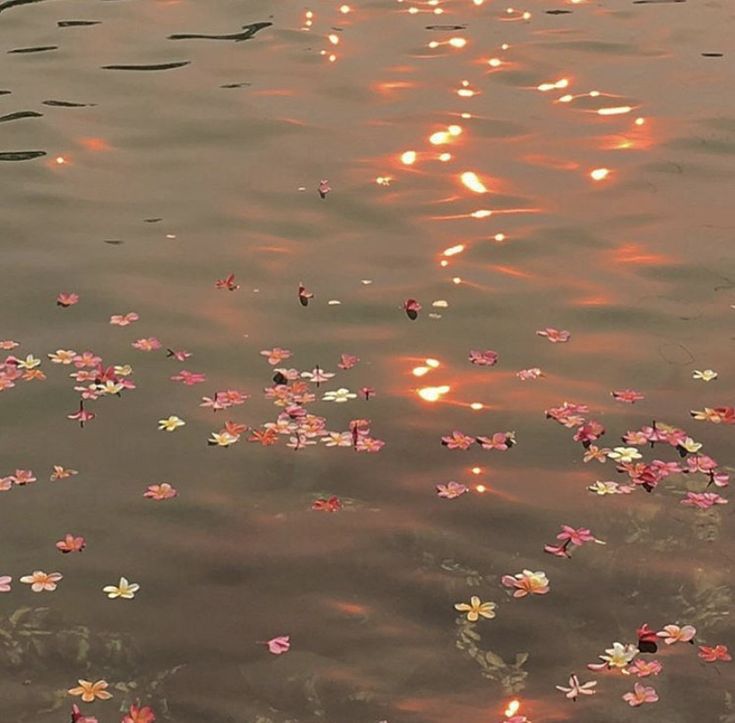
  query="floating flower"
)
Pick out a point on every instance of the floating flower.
point(499, 441)
point(124, 319)
point(594, 452)
point(609, 488)
point(484, 358)
point(458, 440)
point(643, 668)
point(91, 691)
point(618, 656)
point(5, 583)
point(30, 362)
point(718, 415)
point(555, 336)
point(179, 354)
point(347, 361)
point(451, 490)
point(227, 283)
point(576, 688)
point(331, 504)
point(189, 378)
point(164, 491)
point(77, 717)
point(526, 374)
point(627, 395)
point(62, 356)
point(703, 500)
point(640, 695)
point(317, 376)
point(123, 589)
point(369, 444)
point(136, 714)
point(706, 376)
point(526, 583)
point(222, 439)
point(476, 609)
point(23, 477)
point(275, 355)
point(412, 308)
point(340, 395)
point(675, 634)
point(149, 344)
point(170, 424)
point(65, 300)
point(71, 544)
point(41, 581)
point(624, 454)
point(712, 655)
point(61, 473)
point(279, 645)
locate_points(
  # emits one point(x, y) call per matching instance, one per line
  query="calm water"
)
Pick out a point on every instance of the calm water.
point(227, 153)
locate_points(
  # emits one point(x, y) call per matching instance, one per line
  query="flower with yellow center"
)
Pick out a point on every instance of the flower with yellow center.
point(171, 424)
point(110, 387)
point(30, 362)
point(476, 608)
point(624, 454)
point(62, 356)
point(222, 439)
point(619, 655)
point(42, 581)
point(124, 370)
point(706, 376)
point(89, 691)
point(124, 589)
point(690, 445)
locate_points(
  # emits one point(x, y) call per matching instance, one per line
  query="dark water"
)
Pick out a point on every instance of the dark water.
point(153, 147)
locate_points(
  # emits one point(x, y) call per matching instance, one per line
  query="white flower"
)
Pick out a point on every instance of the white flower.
point(171, 423)
point(624, 454)
point(609, 488)
point(706, 376)
point(341, 395)
point(338, 439)
point(124, 589)
point(576, 689)
point(619, 655)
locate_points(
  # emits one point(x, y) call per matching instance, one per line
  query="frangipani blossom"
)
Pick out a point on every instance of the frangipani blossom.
point(629, 396)
point(61, 473)
point(70, 543)
point(458, 440)
point(189, 378)
point(347, 361)
point(597, 453)
point(527, 582)
point(77, 717)
point(123, 589)
point(484, 358)
point(275, 355)
point(451, 490)
point(476, 609)
point(555, 336)
point(643, 668)
point(675, 634)
point(170, 424)
point(124, 319)
point(65, 300)
point(41, 581)
point(149, 344)
point(222, 439)
point(624, 454)
point(706, 376)
point(163, 491)
point(716, 415)
point(5, 583)
point(619, 656)
point(713, 654)
point(279, 645)
point(138, 714)
point(339, 396)
point(703, 500)
point(91, 691)
point(640, 695)
point(527, 374)
point(62, 356)
point(331, 504)
point(576, 688)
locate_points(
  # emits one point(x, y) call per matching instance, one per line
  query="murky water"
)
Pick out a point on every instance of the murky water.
point(151, 148)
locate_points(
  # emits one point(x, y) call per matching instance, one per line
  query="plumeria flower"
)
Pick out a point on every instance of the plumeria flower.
point(689, 445)
point(609, 488)
point(65, 300)
point(170, 424)
point(412, 308)
point(484, 358)
point(500, 441)
point(527, 374)
point(149, 344)
point(347, 361)
point(123, 370)
point(718, 415)
point(706, 376)
point(123, 589)
point(62, 356)
point(703, 500)
point(179, 354)
point(23, 477)
point(712, 655)
point(5, 583)
point(275, 355)
point(458, 440)
point(70, 543)
point(555, 336)
point(451, 490)
point(619, 656)
point(8, 344)
point(189, 378)
point(476, 609)
point(640, 695)
point(369, 444)
point(279, 645)
point(222, 439)
point(227, 283)
point(675, 634)
point(624, 454)
point(629, 396)
point(576, 689)
point(77, 717)
point(41, 581)
point(593, 452)
point(589, 432)
point(317, 376)
point(330, 504)
point(138, 714)
point(527, 582)
point(124, 319)
point(91, 691)
point(30, 362)
point(643, 668)
point(339, 396)
point(337, 439)
point(164, 491)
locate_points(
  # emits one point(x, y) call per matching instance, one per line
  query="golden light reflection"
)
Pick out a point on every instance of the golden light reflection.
point(60, 160)
point(457, 42)
point(383, 180)
point(481, 488)
point(444, 157)
point(344, 9)
point(476, 470)
point(433, 363)
point(453, 250)
point(617, 110)
point(477, 406)
point(556, 85)
point(471, 181)
point(513, 707)
point(599, 174)
point(432, 394)
point(333, 38)
point(420, 371)
point(408, 158)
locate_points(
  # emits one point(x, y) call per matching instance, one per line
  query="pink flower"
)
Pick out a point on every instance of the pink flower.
point(575, 536)
point(164, 491)
point(525, 374)
point(324, 188)
point(347, 361)
point(640, 695)
point(5, 581)
point(86, 359)
point(555, 336)
point(71, 544)
point(275, 355)
point(138, 714)
point(368, 444)
point(150, 344)
point(593, 452)
point(23, 477)
point(712, 655)
point(65, 300)
point(279, 645)
point(628, 396)
point(189, 378)
point(457, 440)
point(178, 354)
point(703, 500)
point(589, 432)
point(124, 319)
point(500, 441)
point(675, 634)
point(484, 358)
point(644, 668)
point(77, 717)
point(451, 490)
point(527, 582)
point(412, 308)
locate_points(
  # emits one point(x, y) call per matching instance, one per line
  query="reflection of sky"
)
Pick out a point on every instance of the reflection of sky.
point(635, 265)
